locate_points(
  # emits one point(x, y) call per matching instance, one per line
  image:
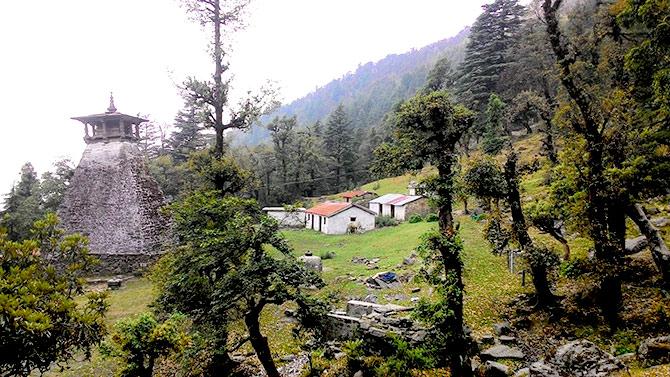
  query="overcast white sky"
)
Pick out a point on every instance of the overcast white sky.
point(60, 59)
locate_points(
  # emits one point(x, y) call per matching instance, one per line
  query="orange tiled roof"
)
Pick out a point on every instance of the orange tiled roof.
point(328, 209)
point(353, 194)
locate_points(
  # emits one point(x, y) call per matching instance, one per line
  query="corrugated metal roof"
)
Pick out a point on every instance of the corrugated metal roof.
point(406, 199)
point(396, 199)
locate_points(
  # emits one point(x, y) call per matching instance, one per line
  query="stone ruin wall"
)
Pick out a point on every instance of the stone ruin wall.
point(114, 201)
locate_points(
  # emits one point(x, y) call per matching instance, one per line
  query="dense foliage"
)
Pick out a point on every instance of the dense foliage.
point(31, 198)
point(41, 322)
point(224, 269)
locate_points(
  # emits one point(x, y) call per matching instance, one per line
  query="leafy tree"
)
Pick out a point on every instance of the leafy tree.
point(617, 159)
point(40, 278)
point(527, 107)
point(54, 184)
point(337, 142)
point(282, 131)
point(545, 217)
point(484, 179)
point(139, 342)
point(221, 174)
point(440, 77)
point(224, 270)
point(495, 132)
point(427, 128)
point(209, 99)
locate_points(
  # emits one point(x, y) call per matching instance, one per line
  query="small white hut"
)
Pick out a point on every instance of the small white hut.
point(287, 217)
point(339, 218)
point(399, 206)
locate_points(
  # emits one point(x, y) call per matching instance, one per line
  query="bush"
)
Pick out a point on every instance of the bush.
point(328, 255)
point(383, 221)
point(404, 360)
point(432, 217)
point(415, 218)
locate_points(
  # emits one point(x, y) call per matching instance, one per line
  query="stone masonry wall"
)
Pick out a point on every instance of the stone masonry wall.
point(114, 201)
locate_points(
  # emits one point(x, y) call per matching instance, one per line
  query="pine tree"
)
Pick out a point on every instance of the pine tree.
point(488, 54)
point(495, 134)
point(187, 137)
point(22, 205)
point(338, 148)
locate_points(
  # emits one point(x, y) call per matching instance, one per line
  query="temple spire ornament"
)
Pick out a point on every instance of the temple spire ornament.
point(111, 108)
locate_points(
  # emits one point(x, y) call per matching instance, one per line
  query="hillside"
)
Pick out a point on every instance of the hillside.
point(371, 91)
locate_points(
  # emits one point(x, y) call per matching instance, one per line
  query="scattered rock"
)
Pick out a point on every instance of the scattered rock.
point(502, 328)
point(660, 222)
point(383, 280)
point(506, 339)
point(501, 351)
point(525, 372)
point(542, 369)
point(635, 245)
point(409, 261)
point(295, 367)
point(359, 260)
point(414, 299)
point(651, 210)
point(114, 284)
point(370, 298)
point(416, 290)
point(487, 340)
point(288, 358)
point(358, 374)
point(654, 351)
point(312, 262)
point(626, 358)
point(582, 358)
point(493, 369)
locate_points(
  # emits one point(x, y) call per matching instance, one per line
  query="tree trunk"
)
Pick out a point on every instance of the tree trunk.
point(539, 271)
point(566, 249)
point(659, 250)
point(218, 81)
point(604, 231)
point(459, 363)
point(259, 342)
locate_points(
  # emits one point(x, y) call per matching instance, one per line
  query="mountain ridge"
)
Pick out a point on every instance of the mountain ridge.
point(369, 92)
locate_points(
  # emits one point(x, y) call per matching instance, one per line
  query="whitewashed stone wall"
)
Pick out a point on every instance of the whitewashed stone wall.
point(339, 223)
point(287, 219)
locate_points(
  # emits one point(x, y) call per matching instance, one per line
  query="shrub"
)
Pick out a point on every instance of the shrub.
point(432, 217)
point(415, 218)
point(405, 359)
point(328, 255)
point(383, 221)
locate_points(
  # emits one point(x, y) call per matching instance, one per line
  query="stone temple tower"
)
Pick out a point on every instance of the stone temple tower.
point(112, 199)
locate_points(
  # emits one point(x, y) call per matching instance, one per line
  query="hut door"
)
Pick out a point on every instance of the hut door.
point(312, 216)
point(392, 210)
point(319, 224)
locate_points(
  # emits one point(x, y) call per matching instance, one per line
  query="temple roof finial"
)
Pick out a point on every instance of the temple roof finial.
point(111, 108)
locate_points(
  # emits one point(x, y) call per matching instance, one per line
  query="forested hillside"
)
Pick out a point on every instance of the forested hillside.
point(371, 91)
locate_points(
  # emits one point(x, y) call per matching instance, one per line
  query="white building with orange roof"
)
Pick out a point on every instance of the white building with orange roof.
point(339, 218)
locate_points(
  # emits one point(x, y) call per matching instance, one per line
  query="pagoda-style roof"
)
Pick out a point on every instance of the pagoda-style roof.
point(110, 116)
point(110, 125)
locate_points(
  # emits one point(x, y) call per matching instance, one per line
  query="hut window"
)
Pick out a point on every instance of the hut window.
point(352, 219)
